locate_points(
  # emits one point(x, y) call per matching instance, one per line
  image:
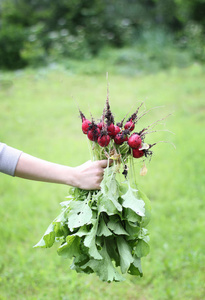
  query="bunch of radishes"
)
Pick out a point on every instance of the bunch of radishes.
point(106, 133)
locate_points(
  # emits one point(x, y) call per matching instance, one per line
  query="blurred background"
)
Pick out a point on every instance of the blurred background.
point(156, 33)
point(54, 54)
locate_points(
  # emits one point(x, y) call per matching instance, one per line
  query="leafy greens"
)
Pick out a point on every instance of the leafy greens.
point(103, 232)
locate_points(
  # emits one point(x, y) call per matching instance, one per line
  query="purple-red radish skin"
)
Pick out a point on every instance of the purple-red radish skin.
point(136, 153)
point(129, 125)
point(111, 129)
point(93, 134)
point(117, 129)
point(134, 141)
point(120, 138)
point(104, 140)
point(85, 125)
point(101, 125)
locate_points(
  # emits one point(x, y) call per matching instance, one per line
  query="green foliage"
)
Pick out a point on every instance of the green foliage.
point(33, 50)
point(51, 31)
point(129, 201)
point(65, 45)
point(11, 43)
point(194, 40)
point(96, 239)
point(61, 29)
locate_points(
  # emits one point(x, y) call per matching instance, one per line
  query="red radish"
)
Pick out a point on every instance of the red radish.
point(104, 140)
point(85, 125)
point(120, 138)
point(117, 129)
point(101, 125)
point(136, 153)
point(129, 125)
point(93, 133)
point(111, 129)
point(134, 140)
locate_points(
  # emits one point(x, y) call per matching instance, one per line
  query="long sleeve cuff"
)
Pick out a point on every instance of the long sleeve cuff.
point(8, 159)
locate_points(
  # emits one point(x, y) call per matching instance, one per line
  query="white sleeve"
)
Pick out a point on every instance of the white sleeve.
point(8, 159)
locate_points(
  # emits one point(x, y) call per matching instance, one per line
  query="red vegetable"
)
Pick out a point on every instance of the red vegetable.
point(101, 125)
point(136, 153)
point(111, 129)
point(117, 129)
point(85, 125)
point(129, 125)
point(93, 133)
point(104, 140)
point(134, 140)
point(120, 138)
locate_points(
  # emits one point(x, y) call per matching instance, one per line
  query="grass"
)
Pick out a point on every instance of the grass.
point(39, 116)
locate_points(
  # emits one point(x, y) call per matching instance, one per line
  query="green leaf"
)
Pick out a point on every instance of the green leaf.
point(48, 238)
point(131, 201)
point(79, 194)
point(116, 227)
point(79, 261)
point(143, 235)
point(112, 250)
point(76, 265)
point(104, 268)
point(61, 229)
point(135, 267)
point(70, 248)
point(110, 187)
point(125, 254)
point(142, 249)
point(106, 205)
point(132, 229)
point(82, 231)
point(130, 215)
point(103, 229)
point(66, 203)
point(89, 241)
point(80, 214)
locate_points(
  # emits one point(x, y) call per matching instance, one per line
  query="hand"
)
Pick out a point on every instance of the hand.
point(89, 175)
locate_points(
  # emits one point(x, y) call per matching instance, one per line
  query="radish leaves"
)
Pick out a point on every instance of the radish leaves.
point(102, 230)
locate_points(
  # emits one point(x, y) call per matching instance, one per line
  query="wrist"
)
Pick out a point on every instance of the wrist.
point(70, 176)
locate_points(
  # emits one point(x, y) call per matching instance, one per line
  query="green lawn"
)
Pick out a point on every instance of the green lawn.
point(38, 115)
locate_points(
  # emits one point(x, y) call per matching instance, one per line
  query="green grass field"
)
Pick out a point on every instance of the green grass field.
point(39, 116)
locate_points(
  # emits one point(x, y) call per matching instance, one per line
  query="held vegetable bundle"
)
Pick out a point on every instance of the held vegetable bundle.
point(104, 231)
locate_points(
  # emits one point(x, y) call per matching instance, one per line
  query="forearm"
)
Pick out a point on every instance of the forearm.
point(16, 163)
point(33, 168)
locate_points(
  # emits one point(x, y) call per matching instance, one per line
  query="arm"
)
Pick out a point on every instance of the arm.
point(87, 176)
point(8, 159)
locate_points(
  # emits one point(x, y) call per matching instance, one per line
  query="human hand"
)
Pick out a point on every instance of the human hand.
point(89, 175)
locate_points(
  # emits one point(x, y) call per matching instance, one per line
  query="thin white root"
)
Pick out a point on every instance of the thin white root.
point(148, 132)
point(164, 142)
point(143, 114)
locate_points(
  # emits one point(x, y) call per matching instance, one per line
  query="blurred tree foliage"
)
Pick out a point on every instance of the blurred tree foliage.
point(33, 32)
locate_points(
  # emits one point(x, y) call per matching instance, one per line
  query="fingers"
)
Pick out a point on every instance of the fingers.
point(104, 163)
point(90, 175)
